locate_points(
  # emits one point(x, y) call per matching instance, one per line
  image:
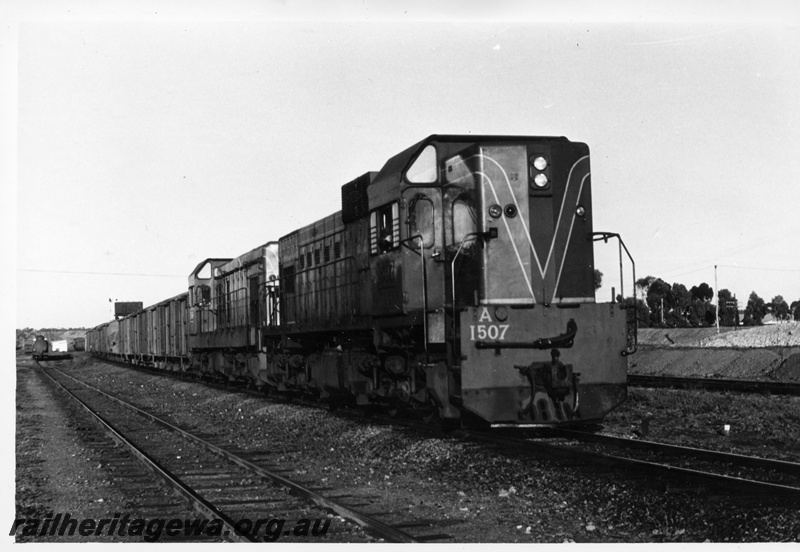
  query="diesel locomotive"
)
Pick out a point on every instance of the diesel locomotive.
point(457, 280)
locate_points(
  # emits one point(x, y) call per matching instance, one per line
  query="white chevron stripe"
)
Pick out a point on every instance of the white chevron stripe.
point(561, 213)
point(569, 238)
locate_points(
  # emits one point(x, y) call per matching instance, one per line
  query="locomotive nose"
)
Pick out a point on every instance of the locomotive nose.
point(522, 378)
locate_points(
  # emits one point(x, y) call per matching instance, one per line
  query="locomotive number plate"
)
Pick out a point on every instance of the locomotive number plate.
point(495, 332)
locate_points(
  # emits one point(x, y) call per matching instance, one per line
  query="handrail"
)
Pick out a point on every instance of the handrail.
point(471, 236)
point(489, 234)
point(597, 236)
point(424, 284)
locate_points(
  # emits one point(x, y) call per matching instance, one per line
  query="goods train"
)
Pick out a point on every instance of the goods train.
point(458, 280)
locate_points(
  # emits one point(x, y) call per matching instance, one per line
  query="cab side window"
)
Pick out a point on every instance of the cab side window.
point(384, 228)
point(202, 295)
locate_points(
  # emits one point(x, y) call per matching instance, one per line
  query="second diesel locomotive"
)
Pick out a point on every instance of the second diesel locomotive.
point(458, 278)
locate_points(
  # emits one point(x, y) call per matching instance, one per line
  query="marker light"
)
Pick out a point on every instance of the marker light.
point(540, 180)
point(510, 210)
point(580, 211)
point(540, 163)
point(495, 211)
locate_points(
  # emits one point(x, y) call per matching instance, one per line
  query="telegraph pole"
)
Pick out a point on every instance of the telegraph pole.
point(717, 291)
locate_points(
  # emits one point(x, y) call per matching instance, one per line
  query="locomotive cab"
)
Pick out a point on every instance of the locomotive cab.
point(230, 300)
point(483, 246)
point(202, 318)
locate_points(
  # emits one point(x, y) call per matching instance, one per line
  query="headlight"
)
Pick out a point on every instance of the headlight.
point(540, 180)
point(540, 163)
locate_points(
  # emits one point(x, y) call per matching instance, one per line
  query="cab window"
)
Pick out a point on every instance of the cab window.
point(205, 272)
point(420, 219)
point(384, 228)
point(423, 169)
point(464, 219)
point(202, 295)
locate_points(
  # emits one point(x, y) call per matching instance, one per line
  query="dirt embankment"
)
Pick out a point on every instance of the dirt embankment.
point(757, 353)
point(773, 335)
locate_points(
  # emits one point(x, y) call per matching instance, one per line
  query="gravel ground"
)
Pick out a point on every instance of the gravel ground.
point(481, 494)
point(761, 425)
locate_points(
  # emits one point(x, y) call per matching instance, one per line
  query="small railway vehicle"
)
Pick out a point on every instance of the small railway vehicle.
point(40, 347)
point(457, 280)
point(79, 344)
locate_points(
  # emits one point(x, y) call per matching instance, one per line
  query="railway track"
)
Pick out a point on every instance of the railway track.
point(220, 482)
point(728, 473)
point(713, 384)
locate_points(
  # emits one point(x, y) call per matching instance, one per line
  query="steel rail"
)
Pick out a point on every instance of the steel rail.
point(198, 503)
point(729, 482)
point(555, 450)
point(784, 466)
point(714, 384)
point(364, 520)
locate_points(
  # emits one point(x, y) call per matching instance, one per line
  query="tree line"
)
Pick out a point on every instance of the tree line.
point(660, 304)
point(30, 333)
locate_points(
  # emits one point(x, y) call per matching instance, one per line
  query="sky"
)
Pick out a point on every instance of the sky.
point(146, 137)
